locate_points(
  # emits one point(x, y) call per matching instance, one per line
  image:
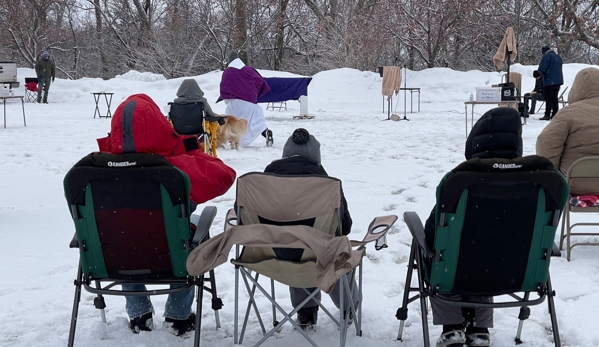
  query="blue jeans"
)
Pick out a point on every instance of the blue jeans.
point(178, 305)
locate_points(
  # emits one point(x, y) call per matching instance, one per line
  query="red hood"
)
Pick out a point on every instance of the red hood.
point(139, 126)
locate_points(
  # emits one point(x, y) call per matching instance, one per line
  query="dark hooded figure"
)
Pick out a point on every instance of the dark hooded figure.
point(551, 72)
point(497, 134)
point(190, 92)
point(536, 94)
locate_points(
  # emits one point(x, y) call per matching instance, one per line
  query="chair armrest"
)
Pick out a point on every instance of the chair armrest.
point(417, 230)
point(74, 242)
point(555, 252)
point(377, 231)
point(203, 223)
point(230, 219)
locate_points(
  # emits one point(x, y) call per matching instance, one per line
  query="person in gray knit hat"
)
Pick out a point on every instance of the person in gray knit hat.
point(302, 143)
point(301, 156)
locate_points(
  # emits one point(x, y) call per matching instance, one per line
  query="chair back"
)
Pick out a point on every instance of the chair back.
point(309, 200)
point(584, 168)
point(131, 215)
point(584, 172)
point(516, 78)
point(561, 96)
point(495, 224)
point(31, 86)
point(187, 119)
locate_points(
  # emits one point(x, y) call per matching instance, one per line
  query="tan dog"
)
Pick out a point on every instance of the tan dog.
point(232, 131)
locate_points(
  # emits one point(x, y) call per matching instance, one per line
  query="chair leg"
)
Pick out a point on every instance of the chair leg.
point(568, 231)
point(422, 296)
point(551, 308)
point(236, 308)
point(402, 312)
point(99, 303)
point(251, 303)
point(561, 237)
point(198, 322)
point(76, 301)
point(217, 302)
point(342, 320)
point(522, 316)
point(274, 309)
point(287, 316)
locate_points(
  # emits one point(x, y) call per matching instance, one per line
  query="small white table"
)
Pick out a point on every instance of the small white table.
point(508, 103)
point(4, 98)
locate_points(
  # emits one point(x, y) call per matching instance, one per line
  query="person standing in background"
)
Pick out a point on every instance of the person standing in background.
point(550, 69)
point(45, 70)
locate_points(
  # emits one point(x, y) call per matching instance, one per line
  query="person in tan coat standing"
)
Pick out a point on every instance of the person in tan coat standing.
point(574, 131)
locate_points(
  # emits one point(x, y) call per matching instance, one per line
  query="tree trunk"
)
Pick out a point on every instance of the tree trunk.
point(100, 40)
point(239, 32)
point(280, 41)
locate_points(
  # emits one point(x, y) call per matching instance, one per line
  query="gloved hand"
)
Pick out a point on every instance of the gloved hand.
point(52, 78)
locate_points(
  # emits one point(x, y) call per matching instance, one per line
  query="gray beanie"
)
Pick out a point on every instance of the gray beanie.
point(302, 143)
point(232, 56)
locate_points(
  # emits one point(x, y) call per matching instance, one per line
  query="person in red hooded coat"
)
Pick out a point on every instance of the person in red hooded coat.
point(138, 126)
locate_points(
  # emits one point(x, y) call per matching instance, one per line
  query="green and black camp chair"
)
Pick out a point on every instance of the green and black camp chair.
point(132, 226)
point(190, 119)
point(495, 223)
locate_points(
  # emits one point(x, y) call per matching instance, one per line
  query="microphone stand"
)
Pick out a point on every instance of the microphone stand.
point(405, 91)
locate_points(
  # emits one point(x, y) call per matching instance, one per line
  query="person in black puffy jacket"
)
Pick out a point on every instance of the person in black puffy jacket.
point(497, 134)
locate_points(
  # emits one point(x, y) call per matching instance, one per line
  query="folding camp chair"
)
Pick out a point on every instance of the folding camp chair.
point(495, 222)
point(132, 222)
point(30, 89)
point(294, 205)
point(190, 119)
point(560, 99)
point(586, 168)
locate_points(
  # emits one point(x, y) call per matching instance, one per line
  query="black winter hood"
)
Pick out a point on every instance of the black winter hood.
point(497, 134)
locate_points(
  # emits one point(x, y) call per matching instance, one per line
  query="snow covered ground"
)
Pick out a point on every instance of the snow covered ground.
point(386, 167)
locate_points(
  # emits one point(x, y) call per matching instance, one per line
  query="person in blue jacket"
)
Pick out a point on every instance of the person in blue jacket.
point(550, 69)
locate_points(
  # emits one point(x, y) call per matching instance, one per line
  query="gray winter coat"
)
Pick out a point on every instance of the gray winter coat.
point(190, 92)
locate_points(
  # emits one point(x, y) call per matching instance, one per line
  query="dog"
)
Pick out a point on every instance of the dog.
point(232, 131)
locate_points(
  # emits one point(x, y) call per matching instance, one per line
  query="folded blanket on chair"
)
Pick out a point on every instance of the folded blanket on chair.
point(584, 200)
point(334, 255)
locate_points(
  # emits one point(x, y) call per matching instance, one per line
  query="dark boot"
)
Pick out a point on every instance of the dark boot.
point(452, 336)
point(307, 317)
point(182, 326)
point(478, 337)
point(143, 323)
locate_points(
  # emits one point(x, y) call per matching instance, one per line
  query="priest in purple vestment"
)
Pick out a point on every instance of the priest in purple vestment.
point(240, 87)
